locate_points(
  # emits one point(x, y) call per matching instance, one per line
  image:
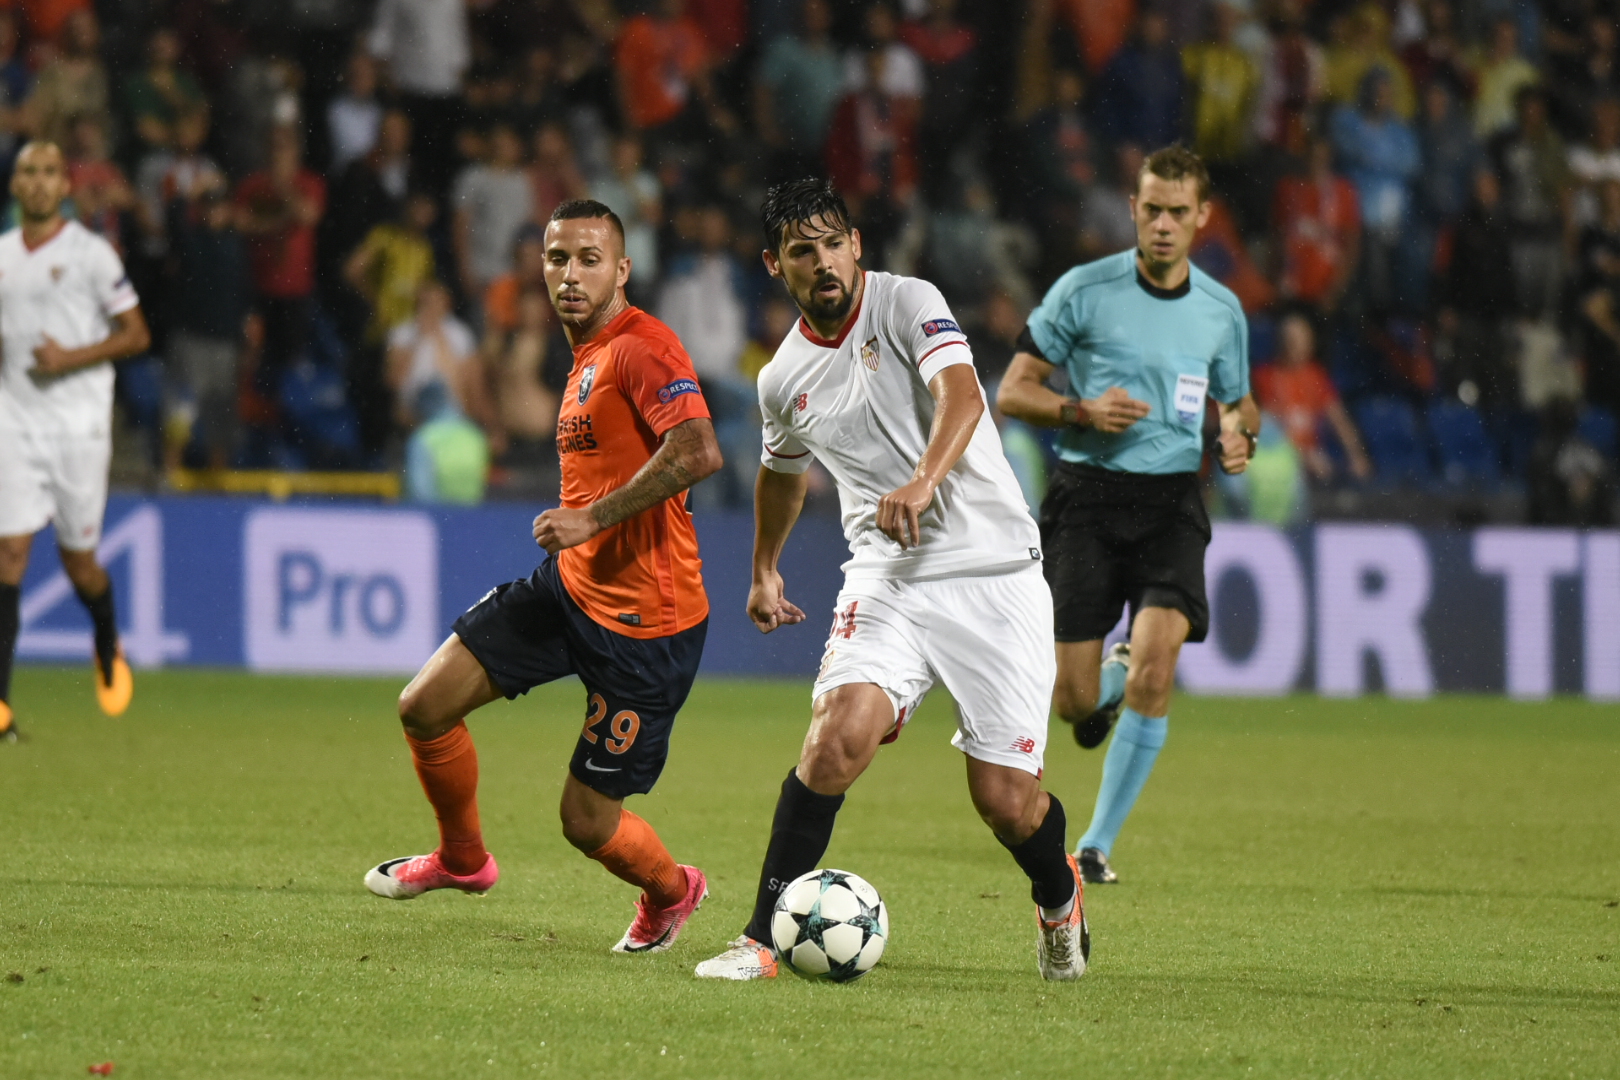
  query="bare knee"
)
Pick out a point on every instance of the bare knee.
point(14, 558)
point(1074, 699)
point(833, 761)
point(418, 715)
point(1149, 685)
point(1008, 800)
point(86, 574)
point(589, 818)
point(1013, 815)
point(845, 728)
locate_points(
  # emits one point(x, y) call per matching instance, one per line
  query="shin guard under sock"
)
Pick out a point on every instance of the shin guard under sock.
point(635, 854)
point(800, 833)
point(105, 617)
point(10, 620)
point(1046, 860)
point(1136, 744)
point(448, 769)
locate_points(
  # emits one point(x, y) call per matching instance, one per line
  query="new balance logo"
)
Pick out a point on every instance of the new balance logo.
point(801, 403)
point(1026, 745)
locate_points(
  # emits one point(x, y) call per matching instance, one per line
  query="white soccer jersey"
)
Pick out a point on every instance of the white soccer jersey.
point(67, 288)
point(861, 406)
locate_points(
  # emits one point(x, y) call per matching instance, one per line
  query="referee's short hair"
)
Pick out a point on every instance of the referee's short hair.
point(1176, 162)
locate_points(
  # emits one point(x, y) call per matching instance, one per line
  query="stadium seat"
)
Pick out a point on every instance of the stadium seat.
point(1463, 448)
point(1597, 426)
point(322, 428)
point(1389, 428)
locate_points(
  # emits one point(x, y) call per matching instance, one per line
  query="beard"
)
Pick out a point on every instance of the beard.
point(827, 309)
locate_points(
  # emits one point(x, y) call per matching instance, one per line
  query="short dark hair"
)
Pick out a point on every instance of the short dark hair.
point(588, 208)
point(798, 202)
point(1176, 162)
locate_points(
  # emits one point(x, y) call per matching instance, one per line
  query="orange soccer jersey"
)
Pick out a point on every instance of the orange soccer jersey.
point(630, 384)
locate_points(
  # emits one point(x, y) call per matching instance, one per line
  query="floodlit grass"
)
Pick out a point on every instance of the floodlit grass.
point(1311, 889)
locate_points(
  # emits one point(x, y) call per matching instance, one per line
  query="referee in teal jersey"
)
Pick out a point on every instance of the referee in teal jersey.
point(1145, 338)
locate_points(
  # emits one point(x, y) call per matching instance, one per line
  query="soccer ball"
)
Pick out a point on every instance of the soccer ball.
point(830, 924)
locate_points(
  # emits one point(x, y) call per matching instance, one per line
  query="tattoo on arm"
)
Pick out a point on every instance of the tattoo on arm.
point(667, 473)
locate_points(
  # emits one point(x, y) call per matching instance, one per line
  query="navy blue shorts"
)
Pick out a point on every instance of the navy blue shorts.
point(530, 631)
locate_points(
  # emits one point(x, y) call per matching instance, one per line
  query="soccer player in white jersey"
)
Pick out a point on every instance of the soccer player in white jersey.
point(944, 581)
point(66, 312)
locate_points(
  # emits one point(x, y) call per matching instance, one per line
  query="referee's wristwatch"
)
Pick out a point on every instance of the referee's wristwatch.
point(1072, 412)
point(1252, 438)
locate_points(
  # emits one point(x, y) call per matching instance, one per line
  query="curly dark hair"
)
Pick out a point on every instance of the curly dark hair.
point(799, 202)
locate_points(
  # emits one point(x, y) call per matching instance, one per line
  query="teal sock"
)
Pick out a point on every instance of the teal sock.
point(1111, 687)
point(1130, 759)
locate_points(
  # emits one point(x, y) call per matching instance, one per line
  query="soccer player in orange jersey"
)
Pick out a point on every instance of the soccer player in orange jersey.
point(620, 603)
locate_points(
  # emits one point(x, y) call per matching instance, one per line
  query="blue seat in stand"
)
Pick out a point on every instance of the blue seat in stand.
point(1464, 449)
point(1391, 431)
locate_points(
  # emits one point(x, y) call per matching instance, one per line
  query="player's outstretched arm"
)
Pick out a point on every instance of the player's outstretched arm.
point(778, 498)
point(959, 404)
point(129, 336)
point(1240, 425)
point(688, 454)
point(1025, 396)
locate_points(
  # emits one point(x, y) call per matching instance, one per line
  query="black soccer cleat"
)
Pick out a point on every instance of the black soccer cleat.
point(1091, 731)
point(1094, 868)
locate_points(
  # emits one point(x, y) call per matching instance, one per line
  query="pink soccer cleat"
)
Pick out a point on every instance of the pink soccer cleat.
point(655, 929)
point(413, 875)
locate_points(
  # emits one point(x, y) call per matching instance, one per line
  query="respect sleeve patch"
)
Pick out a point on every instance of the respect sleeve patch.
point(940, 326)
point(676, 389)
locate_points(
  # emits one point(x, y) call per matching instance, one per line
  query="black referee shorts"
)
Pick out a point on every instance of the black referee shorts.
point(530, 631)
point(1115, 538)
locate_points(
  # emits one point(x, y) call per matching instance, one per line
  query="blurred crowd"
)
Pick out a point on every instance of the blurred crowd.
point(334, 209)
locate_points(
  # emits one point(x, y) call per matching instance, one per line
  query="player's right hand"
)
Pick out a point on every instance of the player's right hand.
point(1114, 410)
point(767, 607)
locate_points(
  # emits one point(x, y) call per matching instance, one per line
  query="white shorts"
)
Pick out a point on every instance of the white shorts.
point(988, 639)
point(46, 476)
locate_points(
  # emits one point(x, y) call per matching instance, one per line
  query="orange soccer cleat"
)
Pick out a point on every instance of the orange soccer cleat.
point(113, 693)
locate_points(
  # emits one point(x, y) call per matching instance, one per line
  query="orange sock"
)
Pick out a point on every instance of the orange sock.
point(448, 769)
point(637, 855)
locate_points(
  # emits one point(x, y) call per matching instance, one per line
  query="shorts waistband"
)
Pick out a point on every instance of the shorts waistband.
point(1082, 471)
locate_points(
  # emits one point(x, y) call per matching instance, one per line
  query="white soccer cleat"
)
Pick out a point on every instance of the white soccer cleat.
point(413, 875)
point(744, 959)
point(1063, 947)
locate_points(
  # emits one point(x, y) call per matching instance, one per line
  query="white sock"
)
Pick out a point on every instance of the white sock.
point(1058, 914)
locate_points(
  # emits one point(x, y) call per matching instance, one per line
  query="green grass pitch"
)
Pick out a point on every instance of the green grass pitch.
point(1311, 889)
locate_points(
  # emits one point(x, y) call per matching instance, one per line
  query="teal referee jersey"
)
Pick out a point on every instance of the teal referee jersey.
point(1108, 326)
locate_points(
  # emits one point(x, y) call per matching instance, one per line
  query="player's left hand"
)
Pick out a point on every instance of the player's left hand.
point(898, 512)
point(1234, 447)
point(51, 359)
point(563, 528)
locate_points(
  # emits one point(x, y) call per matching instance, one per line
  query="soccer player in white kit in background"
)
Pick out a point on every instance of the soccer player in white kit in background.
point(944, 583)
point(66, 311)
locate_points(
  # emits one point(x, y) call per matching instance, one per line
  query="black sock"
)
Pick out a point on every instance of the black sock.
point(10, 620)
point(1045, 859)
point(105, 618)
point(800, 833)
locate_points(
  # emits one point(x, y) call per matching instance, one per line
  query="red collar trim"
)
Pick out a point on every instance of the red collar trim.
point(31, 248)
point(849, 324)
